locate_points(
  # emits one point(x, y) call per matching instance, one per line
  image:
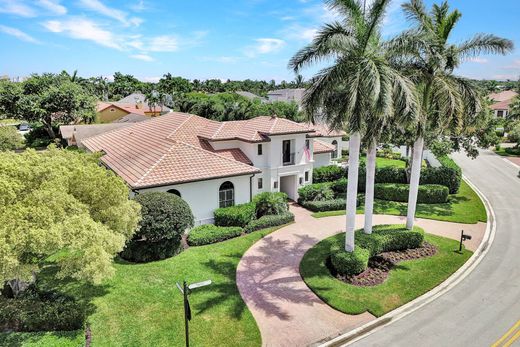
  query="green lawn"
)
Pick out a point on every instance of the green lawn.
point(464, 207)
point(384, 162)
point(502, 152)
point(10, 121)
point(407, 281)
point(141, 306)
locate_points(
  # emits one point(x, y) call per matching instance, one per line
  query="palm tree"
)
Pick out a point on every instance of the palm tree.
point(426, 56)
point(360, 82)
point(299, 81)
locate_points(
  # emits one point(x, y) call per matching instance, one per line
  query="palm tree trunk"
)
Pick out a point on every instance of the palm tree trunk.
point(369, 191)
point(414, 180)
point(353, 171)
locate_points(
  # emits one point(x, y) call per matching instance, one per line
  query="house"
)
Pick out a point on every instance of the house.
point(214, 164)
point(131, 109)
point(251, 96)
point(501, 102)
point(287, 95)
point(75, 134)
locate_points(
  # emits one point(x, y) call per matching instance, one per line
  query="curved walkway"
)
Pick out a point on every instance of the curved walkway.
point(287, 312)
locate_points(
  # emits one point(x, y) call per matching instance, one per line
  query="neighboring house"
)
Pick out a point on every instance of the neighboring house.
point(130, 109)
point(75, 134)
point(251, 96)
point(501, 102)
point(287, 95)
point(214, 164)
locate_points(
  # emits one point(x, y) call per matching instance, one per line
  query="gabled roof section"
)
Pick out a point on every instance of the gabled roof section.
point(323, 147)
point(503, 96)
point(322, 130)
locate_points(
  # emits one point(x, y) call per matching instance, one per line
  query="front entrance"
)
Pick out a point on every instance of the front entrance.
point(289, 186)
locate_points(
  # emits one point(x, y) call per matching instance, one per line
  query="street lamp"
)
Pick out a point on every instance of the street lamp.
point(186, 291)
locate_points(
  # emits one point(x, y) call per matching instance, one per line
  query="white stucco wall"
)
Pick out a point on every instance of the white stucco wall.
point(330, 140)
point(202, 196)
point(322, 159)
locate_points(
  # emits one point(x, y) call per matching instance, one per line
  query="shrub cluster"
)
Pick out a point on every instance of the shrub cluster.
point(384, 238)
point(327, 174)
point(165, 217)
point(40, 311)
point(235, 216)
point(269, 221)
point(315, 192)
point(209, 233)
point(389, 154)
point(270, 204)
point(322, 206)
point(443, 175)
point(428, 193)
point(390, 174)
point(339, 187)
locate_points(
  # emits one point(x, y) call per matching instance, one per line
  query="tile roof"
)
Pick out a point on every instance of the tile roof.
point(322, 130)
point(502, 105)
point(323, 147)
point(503, 96)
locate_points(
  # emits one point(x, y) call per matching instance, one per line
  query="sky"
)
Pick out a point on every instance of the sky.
point(224, 39)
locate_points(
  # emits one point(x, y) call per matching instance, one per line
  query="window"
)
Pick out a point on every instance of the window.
point(301, 181)
point(306, 176)
point(308, 144)
point(260, 183)
point(500, 113)
point(335, 153)
point(260, 149)
point(287, 156)
point(112, 110)
point(174, 191)
point(275, 184)
point(226, 194)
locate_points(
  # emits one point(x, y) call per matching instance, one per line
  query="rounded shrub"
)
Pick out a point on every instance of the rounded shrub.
point(428, 193)
point(209, 233)
point(165, 217)
point(315, 192)
point(350, 263)
point(269, 221)
point(327, 174)
point(444, 175)
point(235, 216)
point(268, 203)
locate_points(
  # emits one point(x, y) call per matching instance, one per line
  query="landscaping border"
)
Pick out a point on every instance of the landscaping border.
point(403, 311)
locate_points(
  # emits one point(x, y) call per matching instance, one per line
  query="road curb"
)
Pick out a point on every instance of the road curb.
point(403, 311)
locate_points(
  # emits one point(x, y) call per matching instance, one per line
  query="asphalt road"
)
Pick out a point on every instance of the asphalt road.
point(486, 304)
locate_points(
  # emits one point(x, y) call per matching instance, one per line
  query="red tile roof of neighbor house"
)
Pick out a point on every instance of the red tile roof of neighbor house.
point(503, 96)
point(176, 148)
point(323, 147)
point(130, 108)
point(323, 130)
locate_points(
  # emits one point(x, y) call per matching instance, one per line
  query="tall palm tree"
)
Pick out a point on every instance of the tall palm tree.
point(425, 54)
point(359, 81)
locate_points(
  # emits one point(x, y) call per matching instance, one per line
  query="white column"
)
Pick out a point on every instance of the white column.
point(414, 181)
point(369, 192)
point(353, 169)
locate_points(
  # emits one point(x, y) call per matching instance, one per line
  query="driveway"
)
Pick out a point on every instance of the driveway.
point(486, 304)
point(287, 312)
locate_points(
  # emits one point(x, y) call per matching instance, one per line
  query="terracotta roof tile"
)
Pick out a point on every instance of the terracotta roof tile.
point(323, 130)
point(323, 147)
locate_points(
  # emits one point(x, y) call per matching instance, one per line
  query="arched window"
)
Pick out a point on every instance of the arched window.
point(226, 194)
point(335, 153)
point(175, 191)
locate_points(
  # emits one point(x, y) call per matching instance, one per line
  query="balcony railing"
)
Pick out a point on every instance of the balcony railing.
point(288, 159)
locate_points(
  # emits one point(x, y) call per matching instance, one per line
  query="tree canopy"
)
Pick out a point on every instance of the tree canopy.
point(10, 139)
point(63, 204)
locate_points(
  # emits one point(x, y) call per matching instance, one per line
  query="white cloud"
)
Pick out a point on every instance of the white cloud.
point(265, 46)
point(139, 6)
point(164, 43)
point(18, 8)
point(18, 34)
point(300, 33)
point(478, 60)
point(53, 6)
point(144, 57)
point(84, 29)
point(151, 79)
point(121, 16)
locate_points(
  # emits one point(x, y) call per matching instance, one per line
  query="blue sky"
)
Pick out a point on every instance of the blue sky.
point(202, 39)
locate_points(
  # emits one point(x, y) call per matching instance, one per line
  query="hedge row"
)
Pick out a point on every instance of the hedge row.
point(316, 192)
point(428, 193)
point(322, 206)
point(269, 221)
point(384, 238)
point(235, 216)
point(209, 233)
point(327, 174)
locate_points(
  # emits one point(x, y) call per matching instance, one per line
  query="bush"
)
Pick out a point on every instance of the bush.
point(322, 206)
point(315, 192)
point(269, 221)
point(390, 175)
point(235, 216)
point(165, 217)
point(40, 311)
point(443, 175)
point(428, 194)
point(38, 137)
point(270, 203)
point(384, 238)
point(339, 187)
point(10, 139)
point(327, 174)
point(389, 154)
point(209, 233)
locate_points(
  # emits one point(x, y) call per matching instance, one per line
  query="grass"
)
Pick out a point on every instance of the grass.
point(141, 305)
point(464, 207)
point(502, 152)
point(385, 162)
point(407, 281)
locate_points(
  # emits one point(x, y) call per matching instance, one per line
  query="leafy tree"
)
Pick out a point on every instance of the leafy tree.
point(10, 138)
point(359, 84)
point(174, 85)
point(10, 94)
point(447, 102)
point(62, 204)
point(125, 85)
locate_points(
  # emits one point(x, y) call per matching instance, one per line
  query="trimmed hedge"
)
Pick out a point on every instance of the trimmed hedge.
point(315, 192)
point(269, 221)
point(209, 233)
point(391, 175)
point(428, 193)
point(443, 175)
point(327, 174)
point(339, 187)
point(235, 216)
point(40, 311)
point(384, 238)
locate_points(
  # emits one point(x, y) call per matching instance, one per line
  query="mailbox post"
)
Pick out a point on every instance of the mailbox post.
point(186, 291)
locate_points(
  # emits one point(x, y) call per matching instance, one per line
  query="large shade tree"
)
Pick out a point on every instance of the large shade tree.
point(447, 102)
point(62, 204)
point(358, 85)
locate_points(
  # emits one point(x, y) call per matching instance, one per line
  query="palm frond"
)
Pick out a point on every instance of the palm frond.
point(485, 44)
point(416, 12)
point(375, 17)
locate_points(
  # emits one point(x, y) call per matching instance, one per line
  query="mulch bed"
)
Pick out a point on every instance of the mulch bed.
point(380, 265)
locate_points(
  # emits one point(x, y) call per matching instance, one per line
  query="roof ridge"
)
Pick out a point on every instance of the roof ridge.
point(174, 142)
point(218, 155)
point(180, 125)
point(218, 130)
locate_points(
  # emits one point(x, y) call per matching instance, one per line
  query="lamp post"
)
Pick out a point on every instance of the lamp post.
point(186, 291)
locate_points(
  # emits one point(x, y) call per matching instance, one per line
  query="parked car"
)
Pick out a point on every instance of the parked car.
point(24, 128)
